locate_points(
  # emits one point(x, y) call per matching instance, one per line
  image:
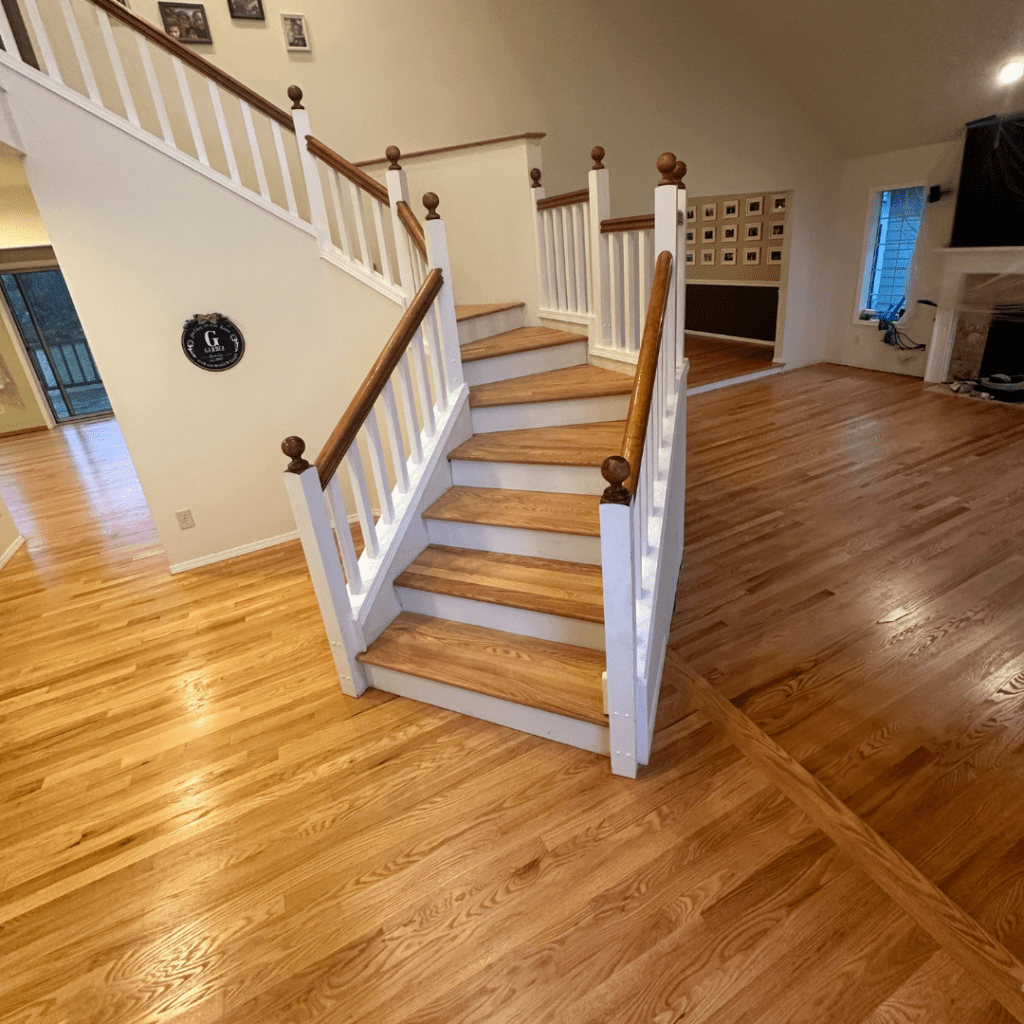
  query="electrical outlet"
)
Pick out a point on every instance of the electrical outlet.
point(185, 520)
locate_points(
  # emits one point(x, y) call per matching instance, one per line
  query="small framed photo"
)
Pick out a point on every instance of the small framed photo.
point(690, 257)
point(729, 257)
point(730, 232)
point(691, 213)
point(707, 235)
point(777, 229)
point(691, 234)
point(709, 211)
point(296, 33)
point(249, 10)
point(779, 204)
point(755, 206)
point(730, 209)
point(707, 257)
point(775, 255)
point(752, 257)
point(752, 232)
point(185, 22)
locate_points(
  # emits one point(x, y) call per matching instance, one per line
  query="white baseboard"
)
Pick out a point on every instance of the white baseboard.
point(715, 385)
point(9, 553)
point(733, 337)
point(244, 549)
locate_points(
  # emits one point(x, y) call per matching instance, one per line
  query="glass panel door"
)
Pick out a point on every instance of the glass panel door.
point(55, 343)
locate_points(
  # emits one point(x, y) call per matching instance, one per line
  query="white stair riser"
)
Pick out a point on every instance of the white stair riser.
point(569, 731)
point(491, 323)
point(520, 476)
point(562, 413)
point(499, 616)
point(519, 364)
point(565, 547)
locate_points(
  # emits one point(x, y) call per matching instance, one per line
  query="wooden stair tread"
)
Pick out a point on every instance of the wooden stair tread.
point(575, 514)
point(560, 678)
point(585, 381)
point(522, 339)
point(570, 589)
point(483, 309)
point(578, 444)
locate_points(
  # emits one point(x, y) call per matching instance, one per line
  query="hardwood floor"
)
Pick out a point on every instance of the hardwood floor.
point(198, 827)
point(715, 359)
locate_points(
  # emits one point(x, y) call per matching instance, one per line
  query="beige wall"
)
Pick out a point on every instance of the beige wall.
point(856, 343)
point(9, 535)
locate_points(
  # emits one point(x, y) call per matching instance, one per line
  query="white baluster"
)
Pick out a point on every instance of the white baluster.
point(222, 127)
point(154, 88)
point(631, 279)
point(356, 195)
point(378, 468)
point(254, 149)
point(444, 304)
point(7, 35)
point(310, 170)
point(435, 350)
point(395, 438)
point(328, 583)
point(361, 493)
point(617, 298)
point(409, 408)
point(334, 188)
point(564, 222)
point(579, 212)
point(282, 160)
point(78, 45)
point(600, 280)
point(382, 242)
point(42, 41)
point(558, 235)
point(549, 236)
point(343, 532)
point(420, 372)
point(118, 67)
point(190, 112)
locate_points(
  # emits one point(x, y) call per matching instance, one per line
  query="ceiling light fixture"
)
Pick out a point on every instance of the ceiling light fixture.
point(1011, 71)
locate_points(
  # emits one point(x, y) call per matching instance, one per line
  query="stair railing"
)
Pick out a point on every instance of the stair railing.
point(642, 508)
point(394, 433)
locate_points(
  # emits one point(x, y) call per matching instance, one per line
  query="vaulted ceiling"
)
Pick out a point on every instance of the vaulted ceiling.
point(879, 75)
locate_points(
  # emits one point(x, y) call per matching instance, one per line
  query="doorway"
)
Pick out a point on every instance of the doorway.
point(56, 345)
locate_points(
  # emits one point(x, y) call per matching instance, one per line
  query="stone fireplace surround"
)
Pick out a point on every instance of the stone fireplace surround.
point(972, 283)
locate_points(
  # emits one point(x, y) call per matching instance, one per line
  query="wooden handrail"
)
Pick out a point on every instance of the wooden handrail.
point(623, 472)
point(347, 169)
point(451, 149)
point(638, 223)
point(201, 64)
point(413, 226)
point(565, 199)
point(359, 408)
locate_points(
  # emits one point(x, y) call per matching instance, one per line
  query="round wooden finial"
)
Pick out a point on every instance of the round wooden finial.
point(597, 155)
point(295, 95)
point(393, 153)
point(679, 172)
point(667, 164)
point(535, 175)
point(293, 447)
point(615, 469)
point(431, 202)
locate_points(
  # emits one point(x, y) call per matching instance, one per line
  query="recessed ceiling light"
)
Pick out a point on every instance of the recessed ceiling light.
point(1012, 71)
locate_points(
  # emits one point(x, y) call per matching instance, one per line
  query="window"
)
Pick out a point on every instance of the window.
point(894, 235)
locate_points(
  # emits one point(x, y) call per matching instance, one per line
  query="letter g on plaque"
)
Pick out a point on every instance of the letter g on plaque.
point(212, 341)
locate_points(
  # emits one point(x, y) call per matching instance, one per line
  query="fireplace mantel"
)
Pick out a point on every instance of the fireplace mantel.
point(955, 265)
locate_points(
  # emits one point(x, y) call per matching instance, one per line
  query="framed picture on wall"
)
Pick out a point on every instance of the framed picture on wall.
point(296, 33)
point(751, 257)
point(707, 236)
point(729, 257)
point(709, 211)
point(691, 213)
point(185, 22)
point(752, 232)
point(690, 257)
point(691, 234)
point(707, 257)
point(779, 204)
point(730, 232)
point(249, 10)
point(730, 209)
point(755, 206)
point(775, 255)
point(777, 229)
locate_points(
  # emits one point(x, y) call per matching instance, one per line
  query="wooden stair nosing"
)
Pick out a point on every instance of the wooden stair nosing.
point(558, 678)
point(578, 444)
point(572, 590)
point(471, 312)
point(575, 382)
point(521, 339)
point(542, 511)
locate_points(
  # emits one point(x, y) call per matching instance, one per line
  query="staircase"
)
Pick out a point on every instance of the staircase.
point(502, 614)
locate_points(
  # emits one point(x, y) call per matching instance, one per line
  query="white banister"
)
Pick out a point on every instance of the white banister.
point(364, 510)
point(42, 41)
point(154, 89)
point(78, 45)
point(190, 111)
point(600, 281)
point(286, 174)
point(123, 89)
point(7, 33)
point(254, 149)
point(222, 128)
point(311, 174)
point(437, 256)
point(343, 532)
point(398, 192)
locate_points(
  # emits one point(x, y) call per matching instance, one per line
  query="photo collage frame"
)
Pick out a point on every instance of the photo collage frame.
point(746, 235)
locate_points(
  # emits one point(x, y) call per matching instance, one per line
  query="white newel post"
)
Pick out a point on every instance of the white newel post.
point(537, 192)
point(314, 525)
point(680, 272)
point(666, 238)
point(398, 192)
point(310, 170)
point(437, 257)
point(600, 272)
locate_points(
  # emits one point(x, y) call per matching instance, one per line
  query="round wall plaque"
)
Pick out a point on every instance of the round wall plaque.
point(212, 341)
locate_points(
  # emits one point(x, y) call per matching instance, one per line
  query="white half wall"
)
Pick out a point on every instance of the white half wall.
point(144, 243)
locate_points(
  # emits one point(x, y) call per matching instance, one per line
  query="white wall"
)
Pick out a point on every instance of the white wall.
point(154, 243)
point(10, 538)
point(855, 343)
